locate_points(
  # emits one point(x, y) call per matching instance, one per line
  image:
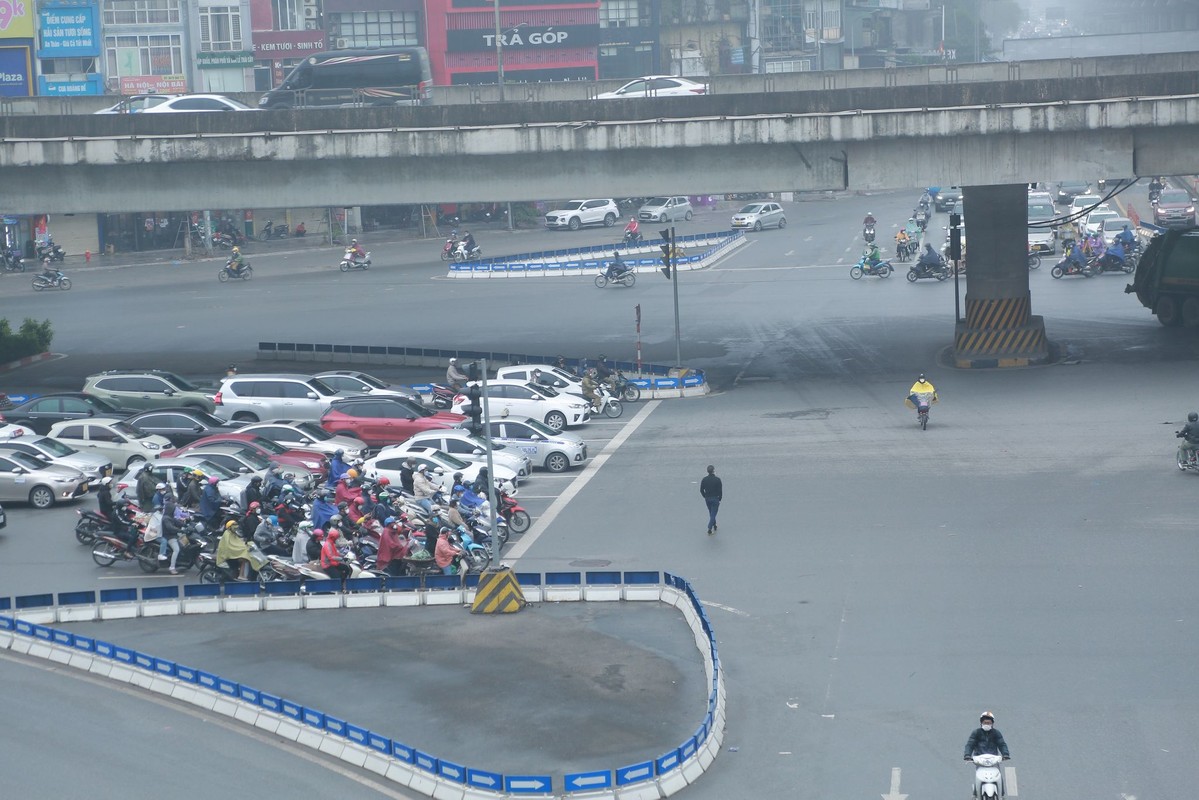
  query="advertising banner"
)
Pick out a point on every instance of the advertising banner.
point(506, 3)
point(224, 59)
point(68, 31)
point(15, 71)
point(52, 87)
point(270, 45)
point(16, 19)
point(152, 84)
point(526, 37)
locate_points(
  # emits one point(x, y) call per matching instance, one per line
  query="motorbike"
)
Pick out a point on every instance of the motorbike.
point(1154, 196)
point(627, 278)
point(109, 548)
point(923, 401)
point(447, 252)
point(13, 261)
point(56, 281)
point(222, 240)
point(905, 250)
point(924, 270)
point(93, 524)
point(605, 403)
point(882, 269)
point(988, 776)
point(443, 396)
point(350, 261)
point(193, 543)
point(51, 251)
point(623, 388)
point(1068, 267)
point(1186, 463)
point(921, 217)
point(517, 518)
point(631, 239)
point(462, 254)
point(1101, 265)
point(1034, 261)
point(230, 572)
point(272, 231)
point(868, 234)
point(230, 272)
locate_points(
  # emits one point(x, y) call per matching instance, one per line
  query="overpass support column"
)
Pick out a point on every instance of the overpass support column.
point(1000, 330)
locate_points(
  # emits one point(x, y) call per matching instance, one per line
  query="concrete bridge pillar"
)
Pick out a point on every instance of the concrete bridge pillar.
point(999, 330)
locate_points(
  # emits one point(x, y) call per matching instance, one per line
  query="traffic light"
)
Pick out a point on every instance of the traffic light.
point(955, 237)
point(475, 409)
point(472, 371)
point(667, 251)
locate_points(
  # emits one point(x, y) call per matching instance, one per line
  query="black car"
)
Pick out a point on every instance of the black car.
point(181, 425)
point(946, 199)
point(42, 412)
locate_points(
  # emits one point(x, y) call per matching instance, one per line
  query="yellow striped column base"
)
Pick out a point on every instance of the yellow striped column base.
point(988, 348)
point(498, 593)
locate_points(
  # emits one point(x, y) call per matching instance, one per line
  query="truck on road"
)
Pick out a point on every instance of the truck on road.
point(1167, 278)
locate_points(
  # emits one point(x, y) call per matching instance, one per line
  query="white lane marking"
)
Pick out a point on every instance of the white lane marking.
point(776, 269)
point(729, 609)
point(788, 254)
point(894, 793)
point(589, 472)
point(1009, 782)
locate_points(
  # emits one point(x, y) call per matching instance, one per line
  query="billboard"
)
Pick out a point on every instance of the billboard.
point(68, 31)
point(270, 45)
point(16, 19)
point(58, 87)
point(152, 84)
point(15, 71)
point(526, 37)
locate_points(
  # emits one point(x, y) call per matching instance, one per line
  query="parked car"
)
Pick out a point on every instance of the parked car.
point(557, 451)
point(250, 398)
point(287, 458)
point(522, 399)
point(28, 479)
point(124, 444)
point(92, 465)
point(181, 425)
point(381, 421)
point(471, 447)
point(42, 412)
point(245, 460)
point(305, 435)
point(171, 104)
point(665, 209)
point(168, 470)
point(947, 197)
point(11, 431)
point(150, 388)
point(389, 460)
point(1174, 207)
point(554, 377)
point(757, 216)
point(348, 382)
point(576, 214)
point(3, 518)
point(655, 86)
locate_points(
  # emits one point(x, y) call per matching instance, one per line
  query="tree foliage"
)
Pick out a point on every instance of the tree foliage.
point(32, 338)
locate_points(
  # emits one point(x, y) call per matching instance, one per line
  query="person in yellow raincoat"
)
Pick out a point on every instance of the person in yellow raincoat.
point(919, 390)
point(232, 547)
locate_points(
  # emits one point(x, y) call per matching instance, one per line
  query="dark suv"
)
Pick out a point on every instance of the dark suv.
point(1174, 207)
point(147, 388)
point(946, 199)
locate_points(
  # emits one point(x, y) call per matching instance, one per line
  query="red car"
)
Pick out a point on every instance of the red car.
point(308, 459)
point(380, 421)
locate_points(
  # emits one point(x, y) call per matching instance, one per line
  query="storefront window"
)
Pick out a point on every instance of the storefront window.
point(141, 12)
point(374, 29)
point(144, 55)
point(288, 15)
point(620, 14)
point(220, 28)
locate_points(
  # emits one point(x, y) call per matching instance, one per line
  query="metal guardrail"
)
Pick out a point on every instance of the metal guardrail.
point(433, 775)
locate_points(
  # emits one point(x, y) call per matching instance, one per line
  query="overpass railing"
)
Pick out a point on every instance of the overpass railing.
point(27, 626)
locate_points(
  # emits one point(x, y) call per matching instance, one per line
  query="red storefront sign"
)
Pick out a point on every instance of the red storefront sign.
point(153, 84)
point(276, 45)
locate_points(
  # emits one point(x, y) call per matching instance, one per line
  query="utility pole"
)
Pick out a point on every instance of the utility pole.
point(499, 53)
point(670, 269)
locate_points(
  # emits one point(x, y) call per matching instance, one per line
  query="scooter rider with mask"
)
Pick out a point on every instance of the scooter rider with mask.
point(986, 739)
point(929, 261)
point(236, 262)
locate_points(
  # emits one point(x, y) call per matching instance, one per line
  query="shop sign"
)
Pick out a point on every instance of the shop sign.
point(67, 31)
point(15, 71)
point(224, 59)
point(152, 84)
point(16, 19)
point(286, 44)
point(525, 37)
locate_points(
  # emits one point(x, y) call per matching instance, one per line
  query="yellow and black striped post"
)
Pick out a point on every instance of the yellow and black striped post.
point(498, 593)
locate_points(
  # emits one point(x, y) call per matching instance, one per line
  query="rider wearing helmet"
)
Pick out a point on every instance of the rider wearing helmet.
point(236, 262)
point(210, 503)
point(348, 489)
point(986, 739)
point(454, 376)
point(869, 221)
point(332, 564)
point(921, 389)
point(616, 266)
point(356, 251)
point(1190, 437)
point(338, 467)
point(468, 242)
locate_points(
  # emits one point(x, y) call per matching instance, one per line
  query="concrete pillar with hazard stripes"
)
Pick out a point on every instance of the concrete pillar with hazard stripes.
point(498, 593)
point(1000, 329)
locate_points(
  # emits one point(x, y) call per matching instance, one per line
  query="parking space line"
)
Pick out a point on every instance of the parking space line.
point(1009, 782)
point(576, 486)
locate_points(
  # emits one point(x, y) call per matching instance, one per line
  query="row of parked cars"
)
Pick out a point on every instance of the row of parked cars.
point(56, 446)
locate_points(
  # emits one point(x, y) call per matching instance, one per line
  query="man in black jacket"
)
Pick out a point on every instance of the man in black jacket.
point(986, 739)
point(711, 489)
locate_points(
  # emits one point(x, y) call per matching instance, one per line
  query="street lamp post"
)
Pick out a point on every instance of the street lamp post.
point(499, 51)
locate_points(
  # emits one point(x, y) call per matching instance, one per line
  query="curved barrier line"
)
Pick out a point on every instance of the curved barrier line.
point(29, 633)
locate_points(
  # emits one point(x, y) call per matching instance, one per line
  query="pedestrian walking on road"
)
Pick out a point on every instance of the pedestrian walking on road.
point(712, 491)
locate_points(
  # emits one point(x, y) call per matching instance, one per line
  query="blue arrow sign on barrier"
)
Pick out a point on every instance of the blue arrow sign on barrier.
point(587, 780)
point(527, 784)
point(486, 780)
point(17, 399)
point(635, 772)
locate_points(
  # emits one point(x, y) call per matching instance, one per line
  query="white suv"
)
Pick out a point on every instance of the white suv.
point(521, 399)
point(578, 213)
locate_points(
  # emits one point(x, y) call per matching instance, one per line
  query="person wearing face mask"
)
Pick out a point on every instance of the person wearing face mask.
point(986, 739)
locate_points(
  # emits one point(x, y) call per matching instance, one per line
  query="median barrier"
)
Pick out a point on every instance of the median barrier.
point(25, 628)
point(692, 384)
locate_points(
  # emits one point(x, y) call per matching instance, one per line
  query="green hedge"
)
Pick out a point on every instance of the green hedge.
point(33, 338)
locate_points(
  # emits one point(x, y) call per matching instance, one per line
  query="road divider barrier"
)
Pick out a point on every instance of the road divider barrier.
point(697, 250)
point(659, 380)
point(26, 627)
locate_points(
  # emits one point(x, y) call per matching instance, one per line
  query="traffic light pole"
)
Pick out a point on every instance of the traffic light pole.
point(495, 534)
point(671, 270)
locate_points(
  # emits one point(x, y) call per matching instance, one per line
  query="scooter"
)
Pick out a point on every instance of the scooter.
point(925, 270)
point(51, 251)
point(109, 548)
point(517, 518)
point(443, 396)
point(230, 272)
point(1187, 463)
point(868, 234)
point(605, 403)
point(462, 254)
point(271, 231)
point(13, 261)
point(93, 524)
point(882, 269)
point(631, 239)
point(625, 389)
point(627, 278)
point(988, 776)
point(226, 572)
point(56, 281)
point(350, 261)
point(447, 252)
point(1068, 267)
